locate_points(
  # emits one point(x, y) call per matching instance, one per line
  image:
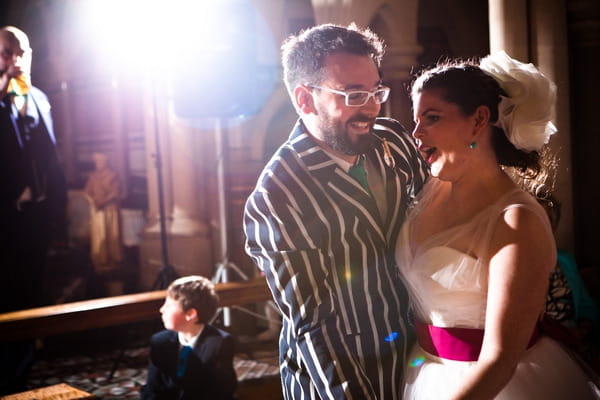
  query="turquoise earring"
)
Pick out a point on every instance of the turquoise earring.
point(473, 145)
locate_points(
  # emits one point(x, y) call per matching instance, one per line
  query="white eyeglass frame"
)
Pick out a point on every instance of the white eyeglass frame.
point(370, 94)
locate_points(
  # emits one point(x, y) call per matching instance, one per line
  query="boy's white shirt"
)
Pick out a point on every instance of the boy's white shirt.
point(189, 342)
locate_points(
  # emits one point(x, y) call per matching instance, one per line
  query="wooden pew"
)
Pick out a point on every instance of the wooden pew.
point(110, 311)
point(117, 310)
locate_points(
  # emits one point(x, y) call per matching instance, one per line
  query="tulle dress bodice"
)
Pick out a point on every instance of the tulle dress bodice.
point(448, 288)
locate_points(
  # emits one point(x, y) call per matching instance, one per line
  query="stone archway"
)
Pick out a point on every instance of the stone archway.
point(273, 125)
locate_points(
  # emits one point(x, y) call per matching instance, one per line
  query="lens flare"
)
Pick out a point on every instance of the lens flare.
point(391, 337)
point(418, 361)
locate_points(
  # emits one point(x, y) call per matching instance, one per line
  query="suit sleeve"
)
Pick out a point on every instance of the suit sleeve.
point(156, 387)
point(149, 390)
point(220, 378)
point(287, 238)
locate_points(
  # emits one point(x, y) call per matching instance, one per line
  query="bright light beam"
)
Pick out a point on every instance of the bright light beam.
point(207, 50)
point(148, 34)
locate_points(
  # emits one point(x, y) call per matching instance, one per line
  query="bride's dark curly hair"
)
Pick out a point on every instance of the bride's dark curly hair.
point(463, 83)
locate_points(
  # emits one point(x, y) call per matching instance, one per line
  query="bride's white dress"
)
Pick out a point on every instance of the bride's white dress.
point(448, 288)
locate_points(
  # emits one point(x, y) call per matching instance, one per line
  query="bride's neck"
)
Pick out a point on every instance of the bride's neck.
point(469, 196)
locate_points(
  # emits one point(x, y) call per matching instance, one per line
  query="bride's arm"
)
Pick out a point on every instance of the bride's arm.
point(522, 253)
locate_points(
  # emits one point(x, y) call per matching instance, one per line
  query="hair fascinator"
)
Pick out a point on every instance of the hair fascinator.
point(526, 114)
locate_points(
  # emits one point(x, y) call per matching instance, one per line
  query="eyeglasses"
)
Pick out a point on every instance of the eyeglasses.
point(358, 98)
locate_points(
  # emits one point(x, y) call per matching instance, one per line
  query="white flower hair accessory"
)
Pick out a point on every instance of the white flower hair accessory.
point(526, 114)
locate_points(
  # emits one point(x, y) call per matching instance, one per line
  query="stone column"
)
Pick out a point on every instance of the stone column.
point(396, 22)
point(509, 28)
point(155, 128)
point(58, 71)
point(549, 49)
point(541, 39)
point(184, 193)
point(344, 12)
point(190, 170)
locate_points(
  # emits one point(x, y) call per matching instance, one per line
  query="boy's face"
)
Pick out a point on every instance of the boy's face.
point(173, 316)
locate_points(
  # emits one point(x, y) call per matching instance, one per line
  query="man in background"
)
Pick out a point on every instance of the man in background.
point(32, 195)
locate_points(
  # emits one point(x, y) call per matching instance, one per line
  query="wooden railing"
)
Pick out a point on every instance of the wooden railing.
point(109, 311)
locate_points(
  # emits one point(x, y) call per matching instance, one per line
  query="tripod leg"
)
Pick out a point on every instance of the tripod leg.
point(274, 322)
point(116, 363)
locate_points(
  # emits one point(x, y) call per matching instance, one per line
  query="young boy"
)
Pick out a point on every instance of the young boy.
point(190, 359)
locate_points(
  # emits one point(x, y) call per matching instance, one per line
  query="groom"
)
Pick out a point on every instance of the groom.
point(323, 234)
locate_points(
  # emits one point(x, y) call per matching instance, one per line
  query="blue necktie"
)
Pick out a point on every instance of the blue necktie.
point(183, 360)
point(358, 172)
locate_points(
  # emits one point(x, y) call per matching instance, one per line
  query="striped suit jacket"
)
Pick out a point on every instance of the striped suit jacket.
point(327, 255)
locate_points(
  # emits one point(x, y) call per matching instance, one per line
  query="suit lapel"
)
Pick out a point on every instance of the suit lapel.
point(41, 104)
point(13, 121)
point(391, 186)
point(342, 189)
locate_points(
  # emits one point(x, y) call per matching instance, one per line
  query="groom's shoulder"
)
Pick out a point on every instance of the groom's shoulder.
point(390, 126)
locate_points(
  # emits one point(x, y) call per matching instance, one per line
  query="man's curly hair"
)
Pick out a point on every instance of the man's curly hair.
point(303, 55)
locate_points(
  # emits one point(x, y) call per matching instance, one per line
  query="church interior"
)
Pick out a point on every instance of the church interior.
point(186, 125)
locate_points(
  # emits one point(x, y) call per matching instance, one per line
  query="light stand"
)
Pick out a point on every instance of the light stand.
point(166, 273)
point(222, 267)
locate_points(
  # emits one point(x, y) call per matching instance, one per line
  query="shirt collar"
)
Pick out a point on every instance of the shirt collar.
point(345, 165)
point(191, 342)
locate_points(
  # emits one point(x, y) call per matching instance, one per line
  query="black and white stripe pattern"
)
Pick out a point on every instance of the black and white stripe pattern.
point(328, 256)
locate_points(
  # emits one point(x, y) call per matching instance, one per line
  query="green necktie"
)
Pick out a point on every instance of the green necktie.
point(358, 172)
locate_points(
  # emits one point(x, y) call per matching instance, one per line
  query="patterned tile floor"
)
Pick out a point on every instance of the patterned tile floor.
point(85, 360)
point(91, 374)
point(90, 371)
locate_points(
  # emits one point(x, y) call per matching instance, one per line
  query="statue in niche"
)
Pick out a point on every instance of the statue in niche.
point(104, 188)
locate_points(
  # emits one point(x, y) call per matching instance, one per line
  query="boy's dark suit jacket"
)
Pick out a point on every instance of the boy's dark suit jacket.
point(209, 373)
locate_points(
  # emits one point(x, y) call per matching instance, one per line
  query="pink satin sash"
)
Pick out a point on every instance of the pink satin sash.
point(459, 344)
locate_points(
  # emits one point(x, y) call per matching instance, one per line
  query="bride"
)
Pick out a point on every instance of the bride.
point(477, 249)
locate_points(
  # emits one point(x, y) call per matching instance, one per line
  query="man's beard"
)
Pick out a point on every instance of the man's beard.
point(337, 137)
